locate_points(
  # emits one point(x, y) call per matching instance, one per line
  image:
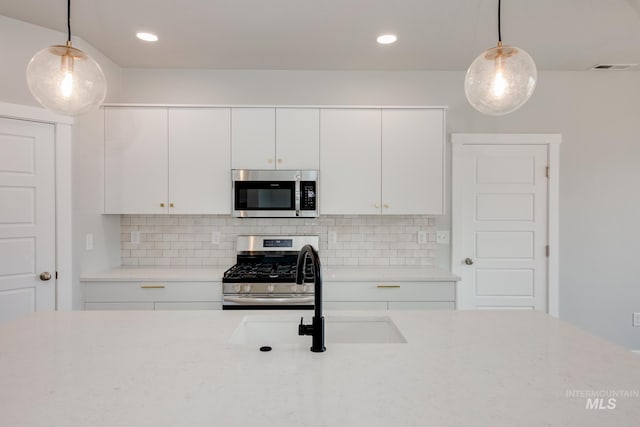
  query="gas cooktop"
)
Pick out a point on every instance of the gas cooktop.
point(282, 271)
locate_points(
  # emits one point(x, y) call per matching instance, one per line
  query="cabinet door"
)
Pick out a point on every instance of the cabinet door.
point(355, 305)
point(199, 160)
point(137, 306)
point(349, 161)
point(166, 306)
point(297, 138)
point(253, 138)
point(412, 161)
point(135, 160)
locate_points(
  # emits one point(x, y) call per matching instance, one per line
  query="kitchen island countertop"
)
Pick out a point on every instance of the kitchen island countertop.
point(178, 369)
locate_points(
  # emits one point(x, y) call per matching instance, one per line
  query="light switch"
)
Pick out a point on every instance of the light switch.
point(135, 237)
point(636, 319)
point(215, 237)
point(88, 242)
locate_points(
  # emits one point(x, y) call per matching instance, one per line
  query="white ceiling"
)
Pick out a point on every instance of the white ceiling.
point(340, 34)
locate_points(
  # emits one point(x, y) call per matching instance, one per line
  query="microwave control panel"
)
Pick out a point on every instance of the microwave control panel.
point(307, 195)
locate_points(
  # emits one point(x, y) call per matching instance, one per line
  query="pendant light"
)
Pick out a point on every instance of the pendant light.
point(501, 79)
point(65, 79)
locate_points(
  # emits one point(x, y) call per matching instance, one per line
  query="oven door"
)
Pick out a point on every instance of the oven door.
point(264, 302)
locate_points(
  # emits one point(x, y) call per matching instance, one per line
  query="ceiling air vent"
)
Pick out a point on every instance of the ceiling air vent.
point(613, 67)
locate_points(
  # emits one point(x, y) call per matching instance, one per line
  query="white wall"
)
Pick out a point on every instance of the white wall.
point(596, 112)
point(21, 42)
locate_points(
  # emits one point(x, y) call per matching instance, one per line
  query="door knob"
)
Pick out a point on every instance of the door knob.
point(468, 261)
point(45, 276)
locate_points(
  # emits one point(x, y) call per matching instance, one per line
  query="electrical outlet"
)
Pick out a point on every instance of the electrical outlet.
point(333, 236)
point(636, 319)
point(215, 237)
point(88, 242)
point(423, 237)
point(442, 237)
point(135, 237)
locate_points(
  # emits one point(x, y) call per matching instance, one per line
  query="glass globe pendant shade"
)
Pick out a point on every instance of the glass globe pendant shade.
point(66, 80)
point(500, 80)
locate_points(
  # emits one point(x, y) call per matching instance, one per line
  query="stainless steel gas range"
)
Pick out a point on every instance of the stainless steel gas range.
point(264, 275)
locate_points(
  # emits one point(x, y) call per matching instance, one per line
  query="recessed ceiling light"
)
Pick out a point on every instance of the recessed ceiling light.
point(387, 39)
point(148, 37)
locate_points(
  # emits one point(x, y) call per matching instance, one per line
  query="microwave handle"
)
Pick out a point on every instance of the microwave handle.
point(297, 195)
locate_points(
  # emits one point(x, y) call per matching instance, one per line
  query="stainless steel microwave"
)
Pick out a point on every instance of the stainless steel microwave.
point(274, 193)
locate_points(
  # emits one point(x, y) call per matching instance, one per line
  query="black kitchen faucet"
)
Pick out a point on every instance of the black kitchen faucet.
point(316, 329)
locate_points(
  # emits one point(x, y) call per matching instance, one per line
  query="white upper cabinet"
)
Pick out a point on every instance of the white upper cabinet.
point(297, 138)
point(387, 161)
point(412, 161)
point(199, 160)
point(275, 138)
point(350, 174)
point(136, 160)
point(177, 160)
point(253, 133)
point(160, 160)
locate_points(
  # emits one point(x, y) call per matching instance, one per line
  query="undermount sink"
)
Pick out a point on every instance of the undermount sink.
point(267, 330)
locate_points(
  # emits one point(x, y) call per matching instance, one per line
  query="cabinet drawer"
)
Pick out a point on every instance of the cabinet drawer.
point(152, 291)
point(118, 306)
point(390, 291)
point(421, 305)
point(355, 305)
point(188, 306)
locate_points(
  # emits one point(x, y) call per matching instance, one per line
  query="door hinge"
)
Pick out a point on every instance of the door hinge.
point(548, 172)
point(546, 251)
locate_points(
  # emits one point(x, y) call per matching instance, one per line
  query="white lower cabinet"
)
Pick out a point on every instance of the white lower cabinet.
point(389, 295)
point(355, 305)
point(152, 295)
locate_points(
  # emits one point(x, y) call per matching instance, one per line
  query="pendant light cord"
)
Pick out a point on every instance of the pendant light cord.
point(499, 26)
point(68, 20)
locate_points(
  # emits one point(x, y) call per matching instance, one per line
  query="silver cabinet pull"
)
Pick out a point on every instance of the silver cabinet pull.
point(45, 276)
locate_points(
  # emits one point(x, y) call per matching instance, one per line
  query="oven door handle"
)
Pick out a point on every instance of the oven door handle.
point(266, 301)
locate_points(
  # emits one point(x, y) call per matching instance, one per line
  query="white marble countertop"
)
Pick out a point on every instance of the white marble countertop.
point(481, 368)
point(386, 274)
point(214, 274)
point(149, 274)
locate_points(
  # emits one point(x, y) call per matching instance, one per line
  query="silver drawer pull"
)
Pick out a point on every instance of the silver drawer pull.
point(387, 286)
point(152, 286)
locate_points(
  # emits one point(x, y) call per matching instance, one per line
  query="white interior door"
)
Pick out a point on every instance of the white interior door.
point(27, 218)
point(504, 194)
